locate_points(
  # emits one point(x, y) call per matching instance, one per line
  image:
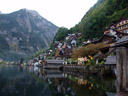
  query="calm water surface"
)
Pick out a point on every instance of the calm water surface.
point(33, 81)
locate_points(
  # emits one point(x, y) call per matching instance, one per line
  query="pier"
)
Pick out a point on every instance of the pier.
point(54, 64)
point(55, 61)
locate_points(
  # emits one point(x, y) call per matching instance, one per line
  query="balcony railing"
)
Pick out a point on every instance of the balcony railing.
point(123, 28)
point(107, 32)
point(122, 24)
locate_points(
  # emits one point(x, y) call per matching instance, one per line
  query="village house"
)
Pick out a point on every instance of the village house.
point(64, 49)
point(112, 33)
point(73, 36)
point(87, 42)
point(49, 52)
point(122, 25)
point(73, 42)
point(79, 35)
point(64, 52)
point(68, 37)
point(106, 39)
point(115, 33)
point(57, 44)
point(120, 32)
point(110, 63)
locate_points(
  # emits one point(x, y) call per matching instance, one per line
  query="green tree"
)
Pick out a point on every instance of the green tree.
point(61, 34)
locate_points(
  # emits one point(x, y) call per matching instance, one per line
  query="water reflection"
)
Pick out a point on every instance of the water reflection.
point(34, 81)
point(16, 81)
point(75, 84)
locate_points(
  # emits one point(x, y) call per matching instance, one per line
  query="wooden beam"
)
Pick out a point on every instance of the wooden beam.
point(119, 69)
point(122, 68)
point(124, 57)
point(127, 70)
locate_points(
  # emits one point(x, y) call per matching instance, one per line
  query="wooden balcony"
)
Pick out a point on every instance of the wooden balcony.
point(122, 24)
point(123, 28)
point(107, 32)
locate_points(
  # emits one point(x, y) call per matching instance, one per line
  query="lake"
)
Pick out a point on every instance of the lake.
point(33, 81)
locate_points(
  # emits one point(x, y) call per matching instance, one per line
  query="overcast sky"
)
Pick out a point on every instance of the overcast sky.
point(64, 13)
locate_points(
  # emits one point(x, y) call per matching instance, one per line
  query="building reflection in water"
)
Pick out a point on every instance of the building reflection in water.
point(75, 84)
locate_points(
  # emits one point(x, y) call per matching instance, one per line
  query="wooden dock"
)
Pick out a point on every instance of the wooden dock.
point(54, 64)
point(55, 61)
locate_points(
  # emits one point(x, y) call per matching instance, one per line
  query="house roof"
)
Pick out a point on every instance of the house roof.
point(122, 19)
point(107, 46)
point(122, 41)
point(102, 38)
point(99, 40)
point(120, 32)
point(111, 60)
point(64, 46)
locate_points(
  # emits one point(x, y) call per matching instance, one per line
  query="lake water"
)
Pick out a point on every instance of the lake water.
point(33, 81)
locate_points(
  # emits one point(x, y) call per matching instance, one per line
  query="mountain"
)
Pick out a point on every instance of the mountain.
point(101, 15)
point(24, 32)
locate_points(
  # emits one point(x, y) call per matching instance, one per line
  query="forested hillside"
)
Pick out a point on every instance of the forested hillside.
point(101, 15)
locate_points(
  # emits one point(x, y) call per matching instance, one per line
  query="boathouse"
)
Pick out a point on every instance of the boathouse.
point(110, 63)
point(122, 63)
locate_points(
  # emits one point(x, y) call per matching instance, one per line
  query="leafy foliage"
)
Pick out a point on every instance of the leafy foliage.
point(61, 34)
point(102, 14)
point(35, 55)
point(90, 49)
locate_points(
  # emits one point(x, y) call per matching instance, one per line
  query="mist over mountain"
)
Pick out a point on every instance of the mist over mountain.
point(24, 32)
